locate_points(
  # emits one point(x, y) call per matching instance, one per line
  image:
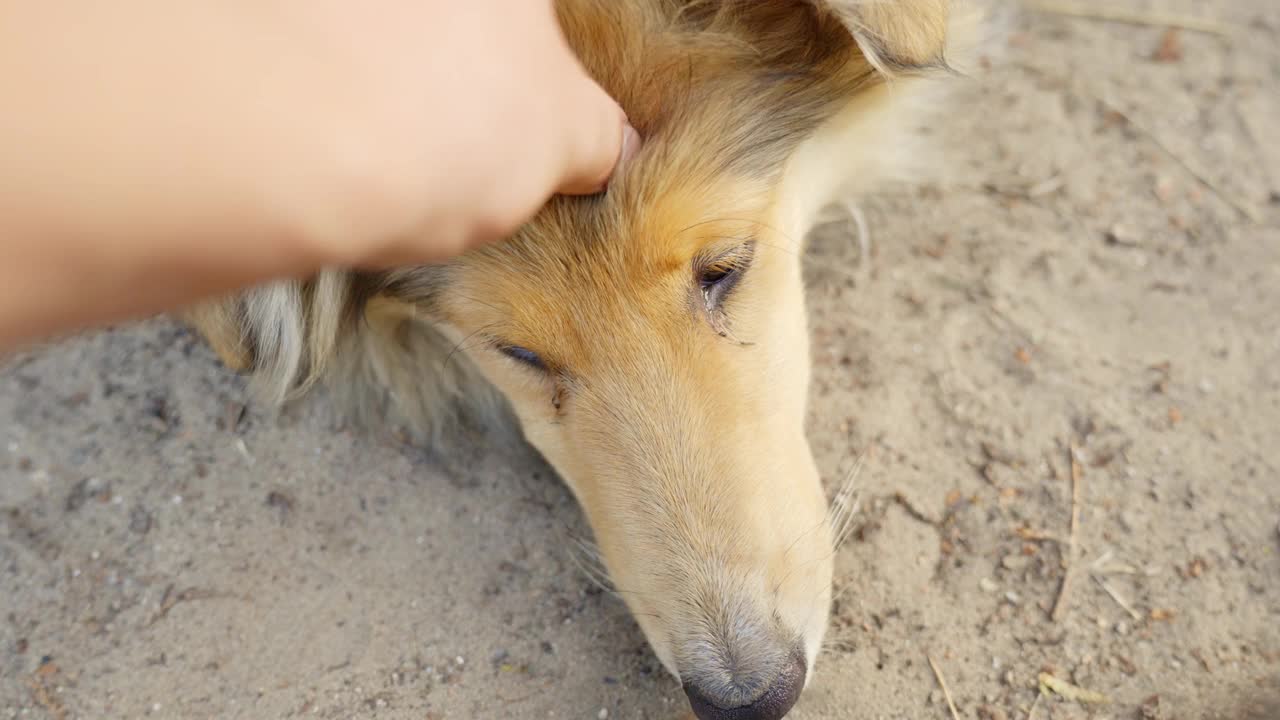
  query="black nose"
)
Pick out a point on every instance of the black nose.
point(773, 704)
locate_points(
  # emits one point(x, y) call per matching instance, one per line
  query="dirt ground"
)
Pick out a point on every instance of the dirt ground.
point(1071, 319)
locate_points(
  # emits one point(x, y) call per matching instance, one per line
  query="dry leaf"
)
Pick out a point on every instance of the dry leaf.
point(1170, 48)
point(1049, 683)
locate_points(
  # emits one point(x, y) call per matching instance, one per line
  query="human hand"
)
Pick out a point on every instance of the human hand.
point(510, 117)
point(158, 152)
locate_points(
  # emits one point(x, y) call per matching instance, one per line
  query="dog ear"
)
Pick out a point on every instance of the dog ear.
point(897, 35)
point(894, 36)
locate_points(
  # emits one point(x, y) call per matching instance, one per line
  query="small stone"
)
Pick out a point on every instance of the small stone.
point(1121, 234)
point(988, 585)
point(1128, 520)
point(990, 712)
point(1122, 628)
point(1015, 562)
point(603, 714)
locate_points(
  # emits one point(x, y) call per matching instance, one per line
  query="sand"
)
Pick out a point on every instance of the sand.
point(1071, 318)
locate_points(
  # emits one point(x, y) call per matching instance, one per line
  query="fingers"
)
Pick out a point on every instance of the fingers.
point(599, 143)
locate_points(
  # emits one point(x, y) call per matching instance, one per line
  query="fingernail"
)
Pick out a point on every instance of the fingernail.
point(630, 145)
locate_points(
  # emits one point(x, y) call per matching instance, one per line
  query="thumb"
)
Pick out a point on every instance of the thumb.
point(600, 140)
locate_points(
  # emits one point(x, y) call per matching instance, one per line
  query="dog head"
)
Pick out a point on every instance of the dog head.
point(652, 340)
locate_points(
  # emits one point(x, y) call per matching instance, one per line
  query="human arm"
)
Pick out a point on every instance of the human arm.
point(153, 153)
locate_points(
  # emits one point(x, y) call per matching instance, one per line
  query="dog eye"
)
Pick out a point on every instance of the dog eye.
point(715, 275)
point(716, 284)
point(524, 356)
point(718, 276)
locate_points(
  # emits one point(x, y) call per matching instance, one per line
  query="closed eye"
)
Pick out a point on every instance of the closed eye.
point(717, 276)
point(523, 356)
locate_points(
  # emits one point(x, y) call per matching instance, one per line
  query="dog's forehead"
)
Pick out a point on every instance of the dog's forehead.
point(637, 235)
point(587, 268)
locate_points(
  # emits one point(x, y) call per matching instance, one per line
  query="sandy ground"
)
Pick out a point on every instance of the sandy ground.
point(166, 552)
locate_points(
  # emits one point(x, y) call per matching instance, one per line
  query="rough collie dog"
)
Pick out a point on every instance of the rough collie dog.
point(651, 340)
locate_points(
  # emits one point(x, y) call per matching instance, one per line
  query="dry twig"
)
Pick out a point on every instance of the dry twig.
point(1239, 204)
point(1034, 704)
point(946, 691)
point(170, 599)
point(1049, 683)
point(1032, 535)
point(1131, 17)
point(1116, 596)
point(1077, 473)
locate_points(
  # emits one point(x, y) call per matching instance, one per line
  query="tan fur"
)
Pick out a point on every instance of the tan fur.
point(677, 422)
point(905, 34)
point(222, 327)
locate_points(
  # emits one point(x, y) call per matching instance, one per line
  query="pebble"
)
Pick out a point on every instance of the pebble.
point(1121, 234)
point(604, 713)
point(1015, 562)
point(1128, 520)
point(989, 712)
point(988, 585)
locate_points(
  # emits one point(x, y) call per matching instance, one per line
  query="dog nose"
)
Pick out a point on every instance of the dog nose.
point(773, 704)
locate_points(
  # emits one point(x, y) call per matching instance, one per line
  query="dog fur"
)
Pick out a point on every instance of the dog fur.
point(651, 341)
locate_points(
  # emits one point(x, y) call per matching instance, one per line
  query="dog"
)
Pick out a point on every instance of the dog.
point(651, 341)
